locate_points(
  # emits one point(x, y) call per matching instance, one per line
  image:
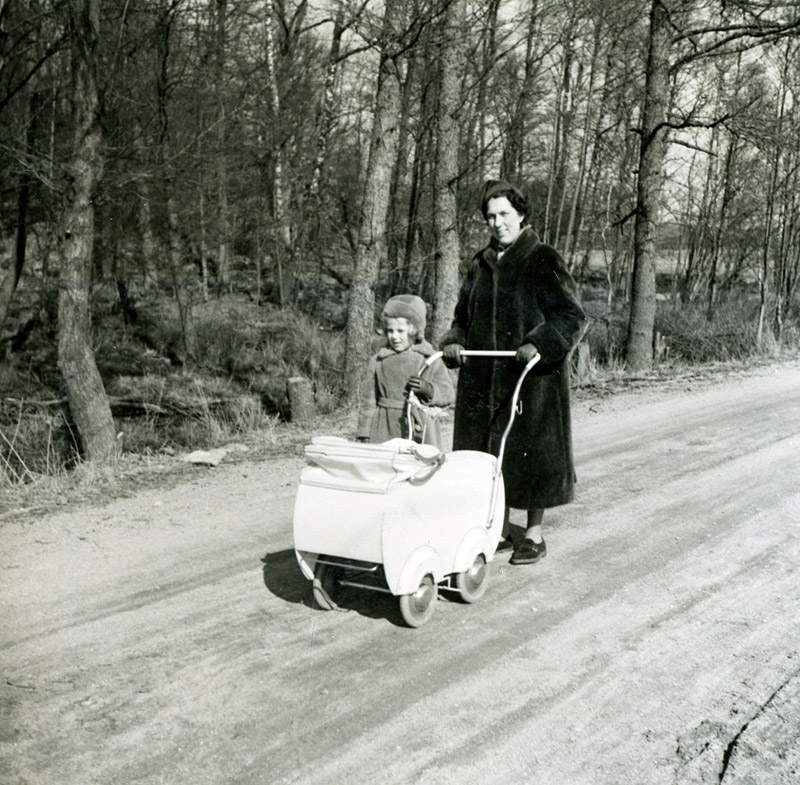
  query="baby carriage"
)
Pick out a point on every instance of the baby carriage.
point(400, 517)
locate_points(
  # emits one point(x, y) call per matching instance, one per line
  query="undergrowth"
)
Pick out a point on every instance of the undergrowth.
point(233, 389)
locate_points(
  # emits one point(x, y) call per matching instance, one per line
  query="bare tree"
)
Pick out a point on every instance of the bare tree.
point(715, 38)
point(517, 126)
point(787, 258)
point(446, 171)
point(371, 247)
point(652, 151)
point(219, 13)
point(31, 38)
point(88, 404)
point(280, 197)
point(182, 286)
point(9, 284)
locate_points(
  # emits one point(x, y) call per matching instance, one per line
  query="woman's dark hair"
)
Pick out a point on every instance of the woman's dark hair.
point(494, 189)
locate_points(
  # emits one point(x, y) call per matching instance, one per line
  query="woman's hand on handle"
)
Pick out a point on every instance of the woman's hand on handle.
point(526, 353)
point(451, 354)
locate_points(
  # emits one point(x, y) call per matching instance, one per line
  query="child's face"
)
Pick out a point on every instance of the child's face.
point(399, 333)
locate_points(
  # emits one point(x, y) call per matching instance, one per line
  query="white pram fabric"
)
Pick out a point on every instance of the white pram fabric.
point(334, 462)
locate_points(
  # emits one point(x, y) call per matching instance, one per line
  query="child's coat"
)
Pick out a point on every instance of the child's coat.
point(382, 403)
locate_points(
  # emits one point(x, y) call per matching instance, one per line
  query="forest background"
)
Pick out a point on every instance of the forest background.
point(203, 199)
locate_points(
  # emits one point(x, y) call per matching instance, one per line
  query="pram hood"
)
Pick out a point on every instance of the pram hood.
point(334, 462)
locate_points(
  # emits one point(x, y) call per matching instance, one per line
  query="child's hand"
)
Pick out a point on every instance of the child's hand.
point(422, 388)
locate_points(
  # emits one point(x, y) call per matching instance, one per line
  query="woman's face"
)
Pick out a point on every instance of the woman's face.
point(504, 222)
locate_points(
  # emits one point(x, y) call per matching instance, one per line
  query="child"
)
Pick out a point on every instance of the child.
point(395, 371)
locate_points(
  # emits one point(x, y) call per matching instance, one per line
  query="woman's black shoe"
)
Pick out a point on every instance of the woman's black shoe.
point(529, 552)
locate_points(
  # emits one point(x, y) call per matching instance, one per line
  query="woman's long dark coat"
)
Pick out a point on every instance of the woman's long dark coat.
point(526, 296)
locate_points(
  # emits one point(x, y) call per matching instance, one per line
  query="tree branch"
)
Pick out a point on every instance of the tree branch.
point(759, 35)
point(55, 47)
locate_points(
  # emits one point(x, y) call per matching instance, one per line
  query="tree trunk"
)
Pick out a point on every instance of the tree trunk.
point(766, 249)
point(578, 195)
point(788, 255)
point(203, 243)
point(652, 151)
point(280, 197)
point(404, 273)
point(220, 13)
point(423, 147)
point(86, 398)
point(327, 110)
point(182, 286)
point(769, 218)
point(727, 197)
point(488, 58)
point(514, 149)
point(9, 284)
point(557, 162)
point(149, 245)
point(399, 176)
point(564, 157)
point(448, 250)
point(371, 245)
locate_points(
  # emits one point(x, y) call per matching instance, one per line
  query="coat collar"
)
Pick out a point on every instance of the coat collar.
point(423, 348)
point(521, 246)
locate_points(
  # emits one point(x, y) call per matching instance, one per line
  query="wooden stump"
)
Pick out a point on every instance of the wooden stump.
point(301, 399)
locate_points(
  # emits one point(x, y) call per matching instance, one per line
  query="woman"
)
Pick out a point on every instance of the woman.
point(517, 295)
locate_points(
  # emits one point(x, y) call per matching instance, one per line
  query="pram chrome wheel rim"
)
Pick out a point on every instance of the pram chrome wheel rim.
point(418, 607)
point(471, 584)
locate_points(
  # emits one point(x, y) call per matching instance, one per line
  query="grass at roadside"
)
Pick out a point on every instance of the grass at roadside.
point(134, 472)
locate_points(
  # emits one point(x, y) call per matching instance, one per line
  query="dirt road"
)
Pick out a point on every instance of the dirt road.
point(145, 641)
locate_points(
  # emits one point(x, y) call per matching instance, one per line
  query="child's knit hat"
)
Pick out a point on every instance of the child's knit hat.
point(407, 306)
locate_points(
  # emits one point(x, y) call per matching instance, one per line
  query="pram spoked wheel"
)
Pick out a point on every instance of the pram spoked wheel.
point(418, 607)
point(471, 584)
point(326, 588)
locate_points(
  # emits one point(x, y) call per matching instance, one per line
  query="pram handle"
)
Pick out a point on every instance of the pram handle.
point(496, 353)
point(488, 352)
point(514, 401)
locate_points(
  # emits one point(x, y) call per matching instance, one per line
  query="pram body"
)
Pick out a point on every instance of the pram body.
point(397, 516)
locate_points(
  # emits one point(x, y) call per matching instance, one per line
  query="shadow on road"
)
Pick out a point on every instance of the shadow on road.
point(283, 578)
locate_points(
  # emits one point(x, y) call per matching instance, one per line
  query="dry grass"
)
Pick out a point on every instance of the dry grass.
point(132, 472)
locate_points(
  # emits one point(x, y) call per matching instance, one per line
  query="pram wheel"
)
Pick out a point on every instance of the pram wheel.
point(471, 584)
point(418, 607)
point(326, 586)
